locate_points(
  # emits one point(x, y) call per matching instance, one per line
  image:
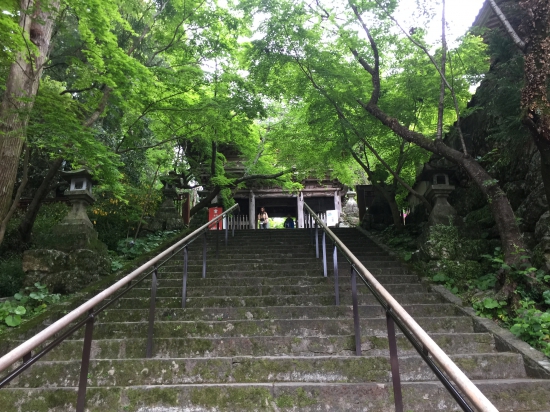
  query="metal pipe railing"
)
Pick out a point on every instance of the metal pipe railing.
point(24, 351)
point(421, 341)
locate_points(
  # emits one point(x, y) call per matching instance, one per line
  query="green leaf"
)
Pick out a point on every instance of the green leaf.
point(13, 320)
point(20, 310)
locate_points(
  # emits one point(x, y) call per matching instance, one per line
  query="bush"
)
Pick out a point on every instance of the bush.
point(25, 304)
point(11, 276)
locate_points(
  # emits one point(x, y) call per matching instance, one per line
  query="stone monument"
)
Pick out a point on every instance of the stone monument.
point(73, 256)
point(167, 216)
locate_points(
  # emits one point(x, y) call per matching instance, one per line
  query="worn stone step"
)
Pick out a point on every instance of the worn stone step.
point(510, 395)
point(271, 327)
point(265, 290)
point(339, 345)
point(272, 265)
point(244, 369)
point(273, 312)
point(263, 301)
point(177, 272)
point(176, 281)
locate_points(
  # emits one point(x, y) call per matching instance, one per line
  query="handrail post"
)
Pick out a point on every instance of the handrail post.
point(316, 240)
point(85, 363)
point(356, 326)
point(204, 256)
point(233, 227)
point(226, 230)
point(217, 239)
point(394, 361)
point(336, 287)
point(324, 255)
point(150, 330)
point(184, 285)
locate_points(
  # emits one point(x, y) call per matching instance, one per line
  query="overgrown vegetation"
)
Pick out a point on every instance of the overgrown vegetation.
point(477, 277)
point(25, 304)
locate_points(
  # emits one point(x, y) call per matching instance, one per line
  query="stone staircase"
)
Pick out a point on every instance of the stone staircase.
point(262, 333)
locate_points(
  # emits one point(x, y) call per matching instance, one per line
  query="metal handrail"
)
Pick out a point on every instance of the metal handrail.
point(422, 342)
point(151, 267)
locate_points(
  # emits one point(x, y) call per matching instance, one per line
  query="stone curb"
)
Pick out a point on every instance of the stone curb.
point(537, 365)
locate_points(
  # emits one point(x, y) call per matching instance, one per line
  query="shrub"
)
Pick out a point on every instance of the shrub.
point(11, 276)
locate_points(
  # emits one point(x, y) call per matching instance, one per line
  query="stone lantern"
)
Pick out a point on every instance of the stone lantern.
point(167, 216)
point(438, 192)
point(350, 211)
point(76, 226)
point(73, 257)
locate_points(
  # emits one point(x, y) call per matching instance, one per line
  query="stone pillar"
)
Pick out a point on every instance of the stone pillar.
point(252, 210)
point(337, 203)
point(300, 216)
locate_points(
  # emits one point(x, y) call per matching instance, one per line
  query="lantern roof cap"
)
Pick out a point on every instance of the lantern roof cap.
point(84, 172)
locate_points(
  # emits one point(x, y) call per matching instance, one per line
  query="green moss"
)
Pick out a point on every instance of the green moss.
point(300, 399)
point(152, 397)
point(232, 398)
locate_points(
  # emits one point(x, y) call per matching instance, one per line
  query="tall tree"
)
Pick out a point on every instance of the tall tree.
point(297, 34)
point(35, 26)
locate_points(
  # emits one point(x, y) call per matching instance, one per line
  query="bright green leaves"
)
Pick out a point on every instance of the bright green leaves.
point(25, 304)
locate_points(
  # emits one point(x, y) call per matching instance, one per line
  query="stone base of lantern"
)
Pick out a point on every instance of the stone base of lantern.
point(166, 218)
point(72, 256)
point(64, 272)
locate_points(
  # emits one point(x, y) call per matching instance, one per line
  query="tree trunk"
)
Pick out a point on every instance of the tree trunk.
point(389, 195)
point(503, 214)
point(534, 98)
point(21, 87)
point(26, 225)
point(544, 149)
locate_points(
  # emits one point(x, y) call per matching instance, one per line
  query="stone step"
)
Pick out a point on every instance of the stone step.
point(245, 369)
point(264, 290)
point(508, 395)
point(337, 345)
point(176, 280)
point(177, 272)
point(273, 312)
point(270, 327)
point(262, 301)
point(271, 265)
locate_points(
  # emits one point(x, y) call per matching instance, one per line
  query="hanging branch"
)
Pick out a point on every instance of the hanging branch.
point(376, 81)
point(515, 37)
point(441, 107)
point(307, 72)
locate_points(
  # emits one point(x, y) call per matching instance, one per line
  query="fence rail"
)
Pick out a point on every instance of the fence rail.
point(438, 361)
point(86, 313)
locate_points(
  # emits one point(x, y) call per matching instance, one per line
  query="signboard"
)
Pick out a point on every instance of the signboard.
point(332, 218)
point(212, 213)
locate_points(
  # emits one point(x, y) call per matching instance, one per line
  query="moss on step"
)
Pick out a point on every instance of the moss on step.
point(149, 397)
point(298, 399)
point(237, 398)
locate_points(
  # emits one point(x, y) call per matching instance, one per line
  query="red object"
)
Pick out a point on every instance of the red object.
point(212, 213)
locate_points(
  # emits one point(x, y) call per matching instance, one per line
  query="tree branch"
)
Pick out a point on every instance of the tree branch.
point(513, 35)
